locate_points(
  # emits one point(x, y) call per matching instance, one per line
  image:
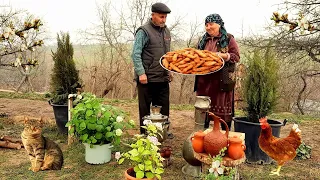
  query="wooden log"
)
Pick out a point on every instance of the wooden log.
point(11, 139)
point(7, 144)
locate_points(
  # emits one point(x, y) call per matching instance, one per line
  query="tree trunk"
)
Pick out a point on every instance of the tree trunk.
point(11, 139)
point(183, 81)
point(7, 144)
point(300, 107)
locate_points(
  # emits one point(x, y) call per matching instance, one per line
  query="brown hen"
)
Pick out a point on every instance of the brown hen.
point(281, 150)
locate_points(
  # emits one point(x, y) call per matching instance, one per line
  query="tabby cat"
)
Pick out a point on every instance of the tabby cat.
point(44, 154)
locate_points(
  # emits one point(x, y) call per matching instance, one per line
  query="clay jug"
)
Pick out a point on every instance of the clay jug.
point(197, 141)
point(236, 148)
point(214, 141)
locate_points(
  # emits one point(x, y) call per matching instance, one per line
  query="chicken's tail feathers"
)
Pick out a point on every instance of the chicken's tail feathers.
point(296, 128)
point(296, 131)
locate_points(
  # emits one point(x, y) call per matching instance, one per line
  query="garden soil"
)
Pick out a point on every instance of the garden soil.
point(182, 124)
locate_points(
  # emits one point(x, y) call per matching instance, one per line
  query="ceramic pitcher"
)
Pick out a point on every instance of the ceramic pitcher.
point(214, 141)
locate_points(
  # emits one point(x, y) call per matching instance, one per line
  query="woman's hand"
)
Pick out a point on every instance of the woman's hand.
point(224, 56)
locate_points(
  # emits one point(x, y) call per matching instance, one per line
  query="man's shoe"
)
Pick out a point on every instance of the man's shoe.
point(170, 136)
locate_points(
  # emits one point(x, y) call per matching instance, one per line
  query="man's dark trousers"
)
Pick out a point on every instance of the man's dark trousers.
point(156, 93)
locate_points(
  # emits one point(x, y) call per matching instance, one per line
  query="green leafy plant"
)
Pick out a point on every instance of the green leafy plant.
point(153, 128)
point(144, 155)
point(65, 77)
point(304, 151)
point(217, 171)
point(261, 84)
point(96, 123)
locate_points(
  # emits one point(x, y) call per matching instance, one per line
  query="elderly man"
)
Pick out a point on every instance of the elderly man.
point(152, 40)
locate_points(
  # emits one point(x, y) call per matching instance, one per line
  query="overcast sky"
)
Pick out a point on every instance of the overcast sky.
point(242, 17)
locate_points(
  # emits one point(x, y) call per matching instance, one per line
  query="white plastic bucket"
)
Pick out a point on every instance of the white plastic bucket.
point(98, 154)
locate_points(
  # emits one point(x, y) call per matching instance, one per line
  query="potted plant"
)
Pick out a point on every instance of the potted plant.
point(98, 127)
point(144, 155)
point(260, 95)
point(64, 80)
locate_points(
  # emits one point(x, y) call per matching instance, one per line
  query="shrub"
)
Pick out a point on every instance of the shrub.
point(65, 77)
point(260, 89)
point(96, 123)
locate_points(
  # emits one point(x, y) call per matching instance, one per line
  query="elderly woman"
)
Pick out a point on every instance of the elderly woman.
point(219, 86)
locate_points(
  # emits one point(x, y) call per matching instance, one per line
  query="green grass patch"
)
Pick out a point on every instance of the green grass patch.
point(119, 101)
point(3, 159)
point(20, 171)
point(292, 118)
point(239, 113)
point(51, 131)
point(182, 107)
point(77, 167)
point(288, 171)
point(15, 95)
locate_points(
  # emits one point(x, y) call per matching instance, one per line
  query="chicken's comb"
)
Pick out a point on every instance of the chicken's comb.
point(263, 120)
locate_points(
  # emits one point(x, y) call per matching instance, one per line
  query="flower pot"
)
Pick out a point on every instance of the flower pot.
point(236, 148)
point(98, 154)
point(129, 175)
point(61, 116)
point(252, 130)
point(166, 151)
point(197, 141)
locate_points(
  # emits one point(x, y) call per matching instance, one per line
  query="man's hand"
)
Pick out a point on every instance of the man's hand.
point(143, 79)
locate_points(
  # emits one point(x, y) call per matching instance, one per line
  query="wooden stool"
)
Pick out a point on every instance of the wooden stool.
point(206, 161)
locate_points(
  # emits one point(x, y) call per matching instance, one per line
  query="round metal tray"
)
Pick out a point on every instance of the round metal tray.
point(160, 61)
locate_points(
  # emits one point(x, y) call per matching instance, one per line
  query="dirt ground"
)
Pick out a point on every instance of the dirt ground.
point(182, 125)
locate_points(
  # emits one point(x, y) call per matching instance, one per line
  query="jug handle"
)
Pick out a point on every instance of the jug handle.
point(223, 122)
point(209, 101)
point(191, 138)
point(227, 128)
point(243, 146)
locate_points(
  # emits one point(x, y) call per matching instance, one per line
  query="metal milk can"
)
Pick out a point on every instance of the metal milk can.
point(202, 105)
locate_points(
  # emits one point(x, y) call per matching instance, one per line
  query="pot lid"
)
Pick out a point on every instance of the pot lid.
point(159, 117)
point(199, 133)
point(235, 139)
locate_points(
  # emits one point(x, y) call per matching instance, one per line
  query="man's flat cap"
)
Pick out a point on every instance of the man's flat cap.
point(160, 8)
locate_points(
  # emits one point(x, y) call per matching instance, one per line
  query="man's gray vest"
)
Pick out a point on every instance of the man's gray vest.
point(157, 46)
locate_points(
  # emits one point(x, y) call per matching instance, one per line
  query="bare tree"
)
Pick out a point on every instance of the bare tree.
point(112, 52)
point(114, 37)
point(187, 82)
point(297, 40)
point(19, 36)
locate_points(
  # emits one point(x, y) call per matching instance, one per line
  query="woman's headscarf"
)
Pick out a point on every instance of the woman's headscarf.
point(223, 41)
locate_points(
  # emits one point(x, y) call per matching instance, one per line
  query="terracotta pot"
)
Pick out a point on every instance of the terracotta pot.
point(129, 173)
point(165, 151)
point(214, 141)
point(236, 148)
point(197, 141)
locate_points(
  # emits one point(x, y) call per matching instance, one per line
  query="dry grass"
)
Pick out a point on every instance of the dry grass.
point(14, 163)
